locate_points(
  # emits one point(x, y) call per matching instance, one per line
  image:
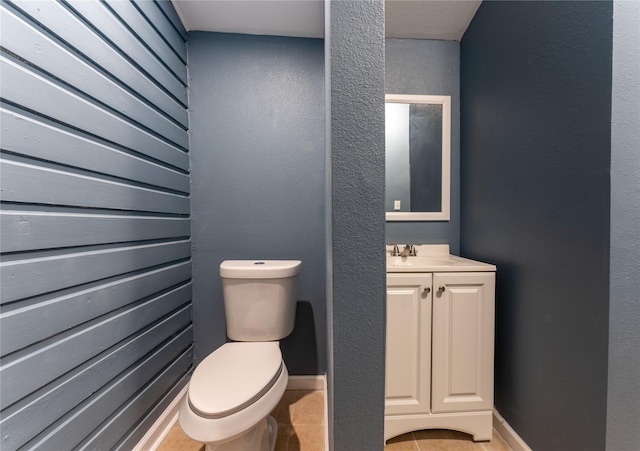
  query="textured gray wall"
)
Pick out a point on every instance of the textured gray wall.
point(257, 156)
point(430, 68)
point(536, 144)
point(355, 40)
point(623, 401)
point(95, 314)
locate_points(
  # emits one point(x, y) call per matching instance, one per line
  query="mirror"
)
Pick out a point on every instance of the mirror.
point(417, 157)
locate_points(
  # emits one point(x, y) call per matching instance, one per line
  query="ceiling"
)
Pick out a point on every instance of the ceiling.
point(409, 19)
point(429, 19)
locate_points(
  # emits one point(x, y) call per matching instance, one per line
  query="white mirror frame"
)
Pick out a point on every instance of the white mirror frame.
point(443, 215)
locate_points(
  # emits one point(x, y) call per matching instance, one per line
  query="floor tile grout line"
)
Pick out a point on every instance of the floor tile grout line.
point(416, 445)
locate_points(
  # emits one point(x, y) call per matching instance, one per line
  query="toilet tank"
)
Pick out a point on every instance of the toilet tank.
point(259, 298)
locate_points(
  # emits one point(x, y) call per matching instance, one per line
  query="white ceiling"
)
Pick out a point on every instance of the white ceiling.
point(409, 19)
point(429, 19)
point(298, 18)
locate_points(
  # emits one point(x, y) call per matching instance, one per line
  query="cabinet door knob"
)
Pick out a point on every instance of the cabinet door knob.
point(441, 289)
point(427, 290)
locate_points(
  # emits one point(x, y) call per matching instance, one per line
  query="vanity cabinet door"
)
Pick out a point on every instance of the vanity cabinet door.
point(408, 381)
point(463, 341)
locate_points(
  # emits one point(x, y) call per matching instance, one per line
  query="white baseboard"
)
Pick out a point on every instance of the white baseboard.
point(326, 412)
point(307, 382)
point(508, 434)
point(156, 434)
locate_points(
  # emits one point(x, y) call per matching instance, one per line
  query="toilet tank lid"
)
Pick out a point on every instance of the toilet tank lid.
point(233, 377)
point(259, 269)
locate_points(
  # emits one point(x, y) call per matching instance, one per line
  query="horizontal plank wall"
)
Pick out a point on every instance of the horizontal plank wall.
point(95, 306)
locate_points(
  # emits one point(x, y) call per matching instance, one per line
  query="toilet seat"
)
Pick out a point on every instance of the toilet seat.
point(215, 430)
point(234, 377)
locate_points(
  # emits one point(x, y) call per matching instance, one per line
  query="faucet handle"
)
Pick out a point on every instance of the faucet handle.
point(414, 252)
point(395, 252)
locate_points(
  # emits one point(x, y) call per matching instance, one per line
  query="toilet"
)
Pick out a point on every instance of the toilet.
point(233, 390)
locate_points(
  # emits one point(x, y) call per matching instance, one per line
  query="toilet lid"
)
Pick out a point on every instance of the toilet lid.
point(233, 377)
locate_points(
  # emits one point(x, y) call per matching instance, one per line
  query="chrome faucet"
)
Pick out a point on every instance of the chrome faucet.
point(407, 251)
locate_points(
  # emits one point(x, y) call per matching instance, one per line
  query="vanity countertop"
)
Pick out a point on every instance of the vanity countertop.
point(433, 258)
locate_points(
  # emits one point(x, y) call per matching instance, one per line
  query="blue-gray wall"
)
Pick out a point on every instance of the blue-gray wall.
point(623, 397)
point(257, 155)
point(95, 311)
point(536, 145)
point(354, 39)
point(428, 67)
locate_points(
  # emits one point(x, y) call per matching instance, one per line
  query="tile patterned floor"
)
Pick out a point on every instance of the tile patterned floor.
point(444, 440)
point(300, 417)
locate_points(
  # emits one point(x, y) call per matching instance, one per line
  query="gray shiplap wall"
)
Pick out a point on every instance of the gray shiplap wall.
point(95, 310)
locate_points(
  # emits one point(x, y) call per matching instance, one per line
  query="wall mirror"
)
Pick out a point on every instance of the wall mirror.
point(417, 156)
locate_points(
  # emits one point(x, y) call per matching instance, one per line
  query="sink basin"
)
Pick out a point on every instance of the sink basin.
point(422, 262)
point(432, 258)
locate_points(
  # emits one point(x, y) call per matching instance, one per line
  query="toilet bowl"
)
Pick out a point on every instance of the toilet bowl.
point(231, 394)
point(233, 390)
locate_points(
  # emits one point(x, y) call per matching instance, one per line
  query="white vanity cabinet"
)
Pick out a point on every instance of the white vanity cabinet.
point(439, 354)
point(408, 350)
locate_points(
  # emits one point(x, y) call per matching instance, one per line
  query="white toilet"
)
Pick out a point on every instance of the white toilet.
point(233, 390)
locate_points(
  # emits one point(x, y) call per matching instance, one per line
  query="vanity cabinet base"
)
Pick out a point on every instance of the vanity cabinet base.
point(440, 342)
point(478, 424)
